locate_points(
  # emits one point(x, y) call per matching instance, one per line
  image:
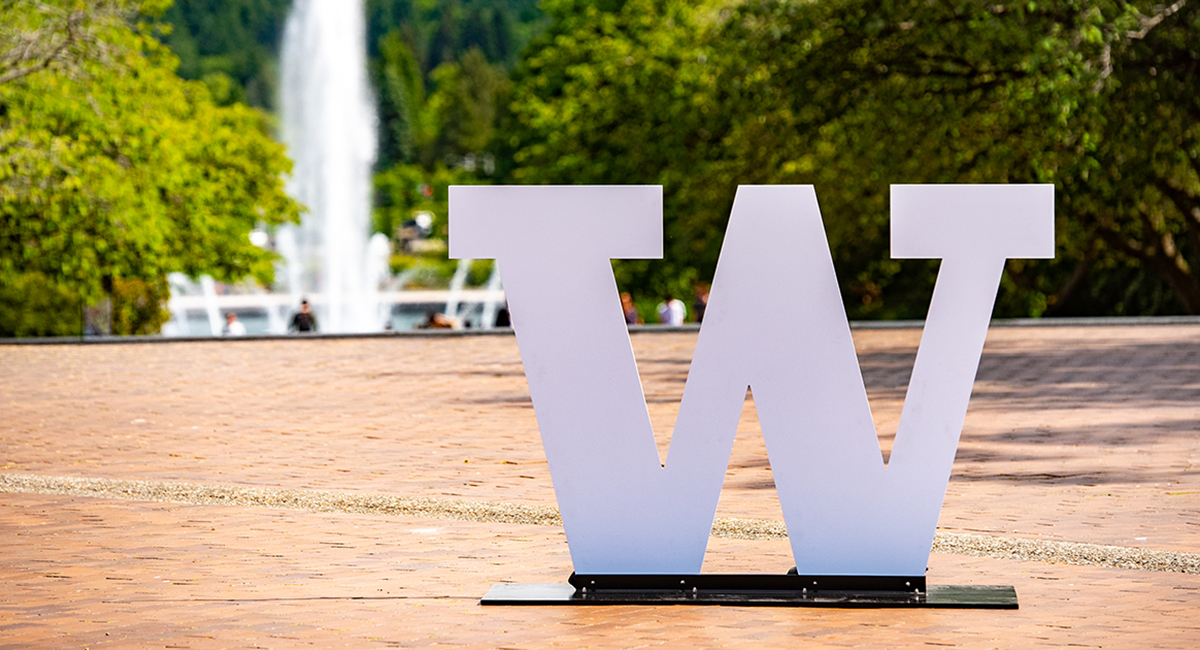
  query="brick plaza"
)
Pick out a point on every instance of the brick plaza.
point(1087, 434)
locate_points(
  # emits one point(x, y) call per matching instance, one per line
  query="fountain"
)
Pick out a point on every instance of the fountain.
point(330, 258)
point(329, 126)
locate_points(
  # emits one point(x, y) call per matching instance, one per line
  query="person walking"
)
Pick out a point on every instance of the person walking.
point(304, 321)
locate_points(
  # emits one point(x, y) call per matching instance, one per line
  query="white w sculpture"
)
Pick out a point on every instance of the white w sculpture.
point(775, 323)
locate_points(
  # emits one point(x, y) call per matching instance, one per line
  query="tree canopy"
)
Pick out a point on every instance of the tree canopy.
point(231, 45)
point(117, 170)
point(114, 171)
point(441, 72)
point(853, 95)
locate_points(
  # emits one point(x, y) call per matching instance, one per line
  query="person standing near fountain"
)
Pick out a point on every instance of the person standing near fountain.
point(304, 321)
point(631, 312)
point(233, 326)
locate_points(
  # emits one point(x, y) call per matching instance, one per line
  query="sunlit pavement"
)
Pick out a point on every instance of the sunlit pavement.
point(1076, 434)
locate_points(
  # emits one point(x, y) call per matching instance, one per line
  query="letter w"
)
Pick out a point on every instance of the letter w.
point(775, 322)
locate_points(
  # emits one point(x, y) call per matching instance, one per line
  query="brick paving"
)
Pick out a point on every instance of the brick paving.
point(1081, 434)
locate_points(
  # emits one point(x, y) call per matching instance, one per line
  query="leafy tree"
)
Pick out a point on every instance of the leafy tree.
point(468, 96)
point(121, 173)
point(947, 93)
point(232, 45)
point(430, 142)
point(854, 95)
point(445, 42)
point(1139, 193)
point(387, 16)
point(622, 92)
point(55, 35)
point(503, 34)
point(447, 145)
point(138, 306)
point(401, 88)
point(441, 31)
point(33, 305)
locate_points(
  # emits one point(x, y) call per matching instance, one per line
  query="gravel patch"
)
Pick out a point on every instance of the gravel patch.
point(1099, 555)
point(1116, 557)
point(287, 499)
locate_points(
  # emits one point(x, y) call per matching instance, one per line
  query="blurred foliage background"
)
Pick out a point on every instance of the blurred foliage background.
point(1099, 98)
point(135, 136)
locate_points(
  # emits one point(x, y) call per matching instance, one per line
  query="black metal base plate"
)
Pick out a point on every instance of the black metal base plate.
point(791, 581)
point(936, 596)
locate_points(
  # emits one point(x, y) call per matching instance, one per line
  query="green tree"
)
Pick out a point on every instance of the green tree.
point(397, 75)
point(853, 95)
point(459, 52)
point(503, 35)
point(466, 105)
point(1013, 92)
point(476, 32)
point(232, 45)
point(56, 36)
point(445, 42)
point(623, 92)
point(1138, 194)
point(33, 305)
point(121, 173)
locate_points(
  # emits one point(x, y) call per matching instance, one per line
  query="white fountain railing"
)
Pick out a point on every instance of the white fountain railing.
point(211, 307)
point(494, 297)
point(456, 288)
point(195, 314)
